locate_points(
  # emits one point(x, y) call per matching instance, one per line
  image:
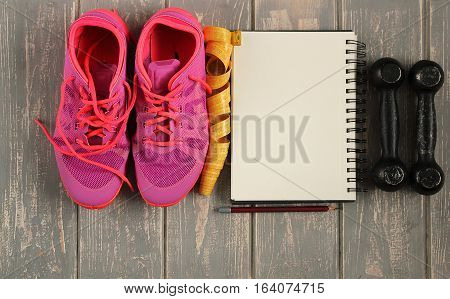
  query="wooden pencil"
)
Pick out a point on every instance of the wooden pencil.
point(275, 209)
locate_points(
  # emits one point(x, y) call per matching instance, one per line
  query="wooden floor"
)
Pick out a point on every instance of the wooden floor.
point(44, 235)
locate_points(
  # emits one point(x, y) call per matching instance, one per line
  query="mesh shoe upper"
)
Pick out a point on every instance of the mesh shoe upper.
point(170, 61)
point(90, 143)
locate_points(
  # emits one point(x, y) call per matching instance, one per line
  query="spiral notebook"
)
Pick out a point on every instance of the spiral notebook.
point(296, 116)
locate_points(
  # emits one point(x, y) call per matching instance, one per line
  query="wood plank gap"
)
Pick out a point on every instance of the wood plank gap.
point(339, 15)
point(77, 15)
point(426, 44)
point(427, 29)
point(252, 229)
point(165, 242)
point(78, 239)
point(164, 230)
point(253, 24)
point(340, 226)
point(426, 199)
point(427, 209)
point(340, 229)
point(252, 246)
point(77, 9)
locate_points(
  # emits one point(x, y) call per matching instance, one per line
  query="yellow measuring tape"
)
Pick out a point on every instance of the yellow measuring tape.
point(219, 47)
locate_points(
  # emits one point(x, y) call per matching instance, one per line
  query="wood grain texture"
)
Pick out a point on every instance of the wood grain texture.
point(38, 222)
point(231, 14)
point(296, 245)
point(384, 234)
point(440, 203)
point(201, 242)
point(126, 239)
point(295, 15)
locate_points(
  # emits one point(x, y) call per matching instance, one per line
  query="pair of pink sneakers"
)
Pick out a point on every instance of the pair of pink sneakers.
point(168, 95)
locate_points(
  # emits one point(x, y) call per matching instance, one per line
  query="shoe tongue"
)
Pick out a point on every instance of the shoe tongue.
point(102, 74)
point(160, 72)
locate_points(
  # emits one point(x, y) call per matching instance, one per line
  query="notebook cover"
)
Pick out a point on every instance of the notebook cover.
point(289, 117)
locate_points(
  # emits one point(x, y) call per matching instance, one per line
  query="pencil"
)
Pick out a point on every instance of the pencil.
point(280, 209)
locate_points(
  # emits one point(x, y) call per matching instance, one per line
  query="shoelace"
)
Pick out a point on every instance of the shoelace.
point(165, 111)
point(108, 120)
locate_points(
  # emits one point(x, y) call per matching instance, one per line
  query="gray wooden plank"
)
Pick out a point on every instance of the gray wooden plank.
point(296, 245)
point(200, 242)
point(440, 203)
point(384, 233)
point(125, 239)
point(38, 237)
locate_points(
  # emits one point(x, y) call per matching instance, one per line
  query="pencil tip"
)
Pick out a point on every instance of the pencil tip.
point(224, 210)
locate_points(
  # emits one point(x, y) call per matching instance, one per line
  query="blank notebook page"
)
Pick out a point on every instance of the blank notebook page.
point(289, 112)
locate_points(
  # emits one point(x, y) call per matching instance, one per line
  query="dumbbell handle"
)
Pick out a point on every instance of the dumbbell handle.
point(389, 123)
point(426, 126)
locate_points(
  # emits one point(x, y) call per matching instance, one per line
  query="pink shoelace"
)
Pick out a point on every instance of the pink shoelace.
point(91, 115)
point(165, 114)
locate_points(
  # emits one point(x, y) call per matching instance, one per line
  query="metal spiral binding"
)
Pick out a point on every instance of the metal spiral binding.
point(357, 68)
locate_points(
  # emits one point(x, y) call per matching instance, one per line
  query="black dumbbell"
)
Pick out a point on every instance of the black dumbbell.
point(426, 78)
point(389, 173)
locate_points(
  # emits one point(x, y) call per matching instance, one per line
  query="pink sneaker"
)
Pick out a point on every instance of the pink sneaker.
point(172, 136)
point(90, 143)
